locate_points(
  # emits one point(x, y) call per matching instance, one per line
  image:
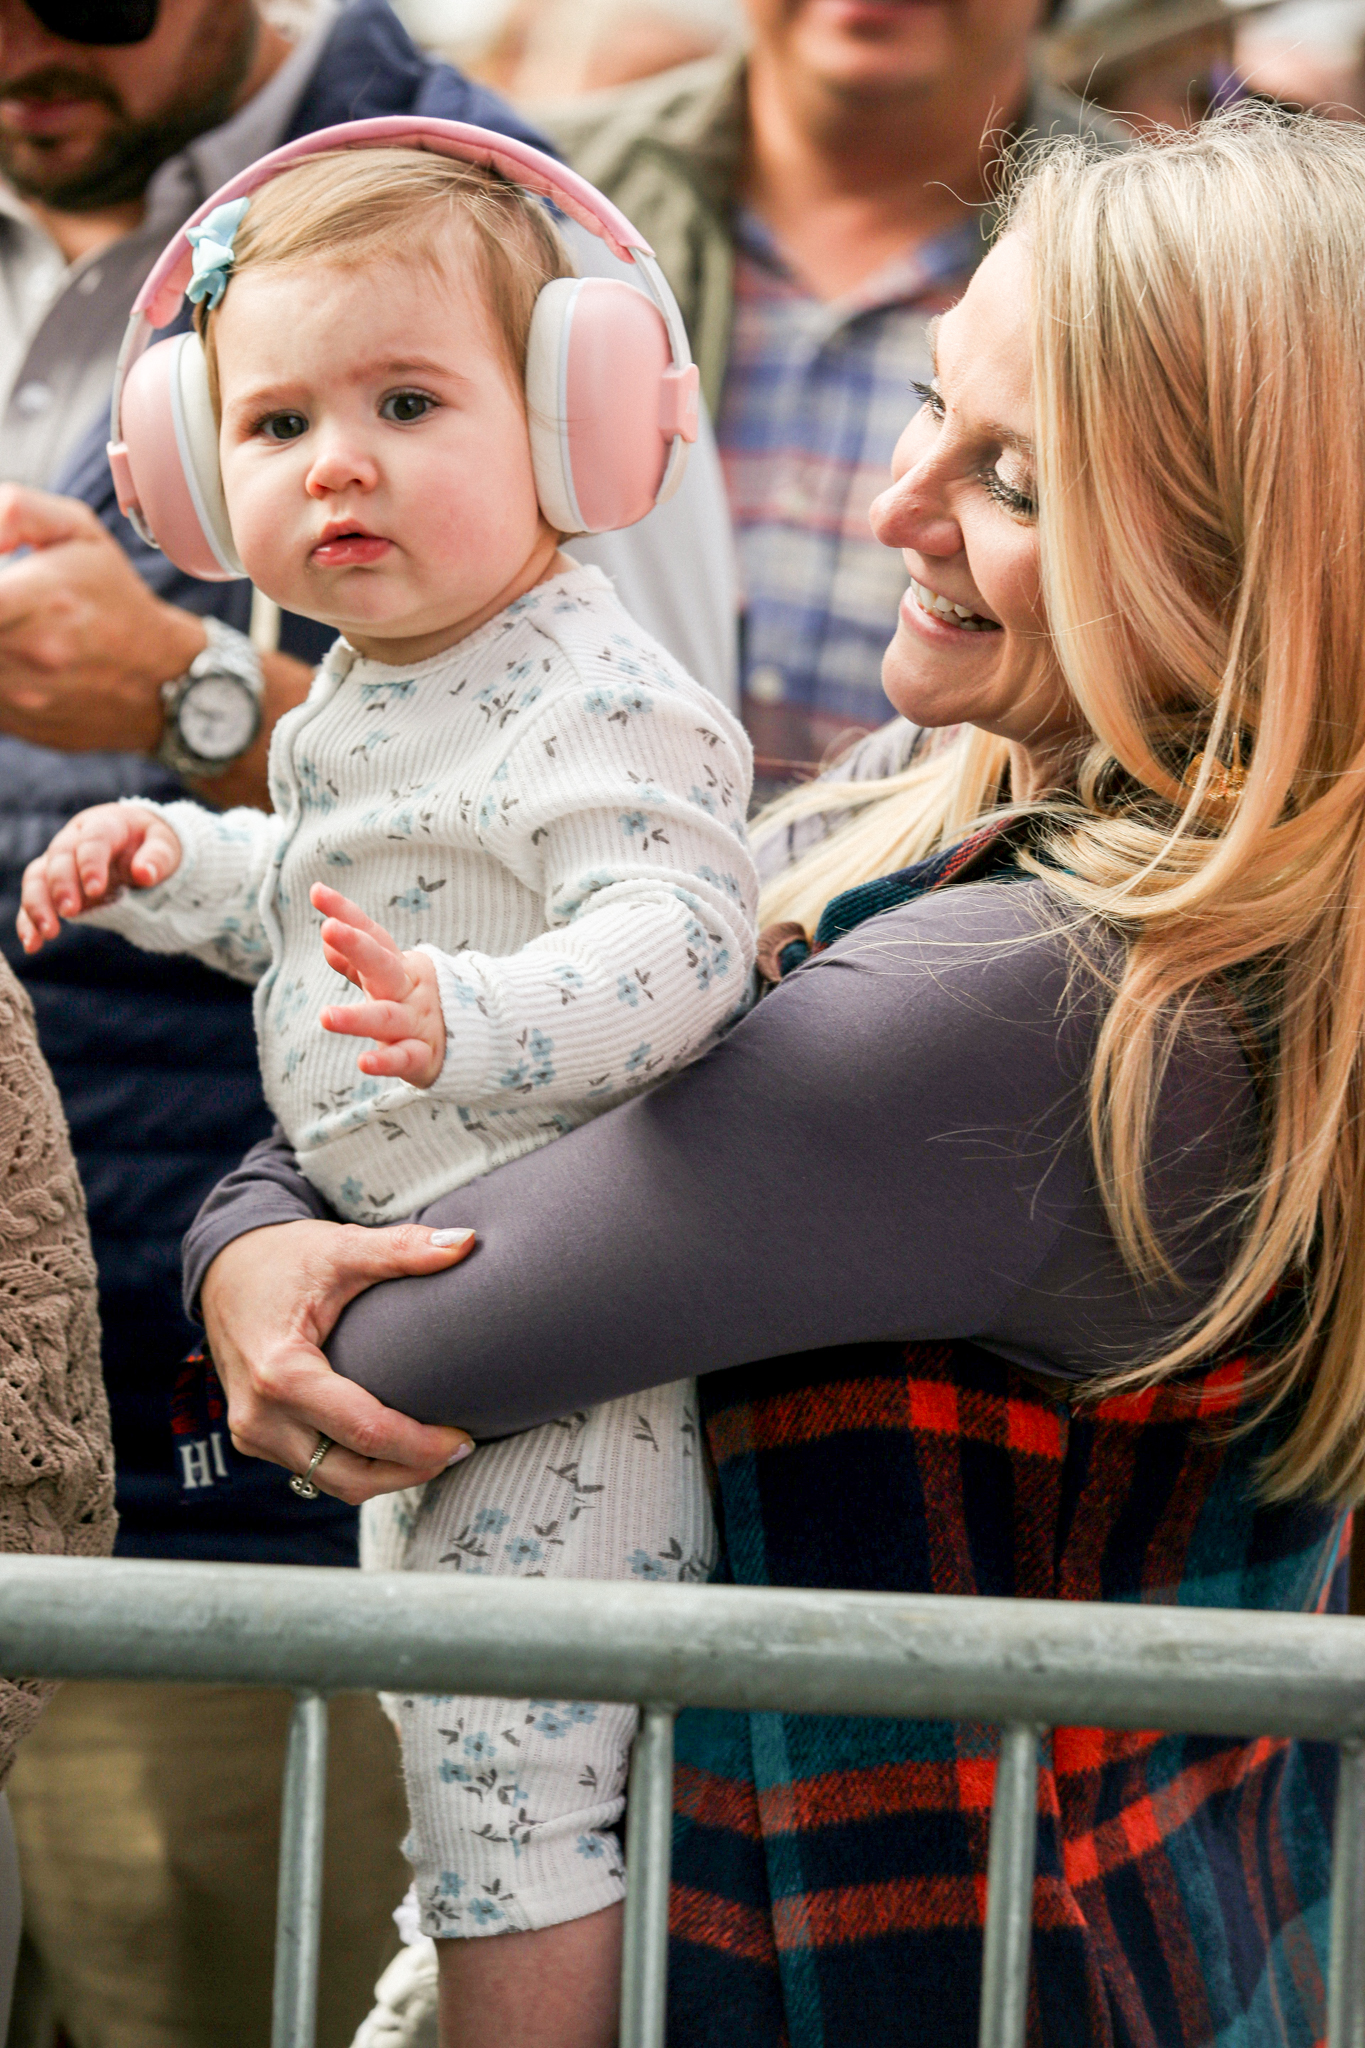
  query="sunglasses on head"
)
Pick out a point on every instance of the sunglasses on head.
point(97, 21)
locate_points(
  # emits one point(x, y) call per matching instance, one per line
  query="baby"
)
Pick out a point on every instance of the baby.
point(515, 827)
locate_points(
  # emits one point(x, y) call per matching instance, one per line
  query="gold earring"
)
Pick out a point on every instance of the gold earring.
point(1226, 781)
point(1224, 785)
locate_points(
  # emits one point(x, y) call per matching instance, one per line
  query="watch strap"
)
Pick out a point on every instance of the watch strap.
point(226, 653)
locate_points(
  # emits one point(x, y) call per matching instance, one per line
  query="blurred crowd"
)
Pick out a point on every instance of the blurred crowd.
point(1167, 61)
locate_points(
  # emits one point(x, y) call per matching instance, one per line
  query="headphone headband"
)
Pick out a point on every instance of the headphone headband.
point(161, 293)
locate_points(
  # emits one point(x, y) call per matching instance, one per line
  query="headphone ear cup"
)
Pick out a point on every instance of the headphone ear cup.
point(598, 403)
point(545, 366)
point(166, 466)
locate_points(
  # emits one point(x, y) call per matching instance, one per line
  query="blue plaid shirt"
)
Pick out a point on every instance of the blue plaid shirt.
point(817, 393)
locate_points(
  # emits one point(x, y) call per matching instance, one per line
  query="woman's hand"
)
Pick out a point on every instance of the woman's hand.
point(269, 1302)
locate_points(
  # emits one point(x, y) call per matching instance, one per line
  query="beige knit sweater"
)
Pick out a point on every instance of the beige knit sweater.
point(56, 1458)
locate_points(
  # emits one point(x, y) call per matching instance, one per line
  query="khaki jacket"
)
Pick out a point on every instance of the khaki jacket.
point(669, 151)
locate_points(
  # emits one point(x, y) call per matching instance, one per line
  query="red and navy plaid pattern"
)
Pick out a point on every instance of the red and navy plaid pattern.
point(829, 1875)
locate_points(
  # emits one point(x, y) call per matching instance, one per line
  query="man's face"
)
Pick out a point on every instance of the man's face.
point(83, 126)
point(876, 47)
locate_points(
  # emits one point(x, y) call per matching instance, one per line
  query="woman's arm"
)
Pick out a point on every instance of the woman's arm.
point(891, 1147)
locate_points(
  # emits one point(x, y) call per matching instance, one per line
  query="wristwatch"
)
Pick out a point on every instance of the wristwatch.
point(213, 711)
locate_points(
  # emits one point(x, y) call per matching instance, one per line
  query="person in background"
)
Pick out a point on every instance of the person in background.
point(815, 202)
point(1308, 53)
point(56, 1457)
point(148, 1816)
point(1151, 62)
point(549, 49)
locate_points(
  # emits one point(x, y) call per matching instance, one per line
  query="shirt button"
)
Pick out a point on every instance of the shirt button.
point(767, 685)
point(31, 399)
point(89, 280)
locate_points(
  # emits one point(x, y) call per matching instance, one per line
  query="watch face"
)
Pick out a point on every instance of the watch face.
point(217, 718)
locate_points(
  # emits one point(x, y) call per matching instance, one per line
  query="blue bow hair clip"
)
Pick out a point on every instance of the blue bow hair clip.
point(211, 242)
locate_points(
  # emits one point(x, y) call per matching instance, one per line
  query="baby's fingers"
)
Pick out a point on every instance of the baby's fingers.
point(406, 1059)
point(388, 1022)
point(332, 903)
point(37, 921)
point(157, 858)
point(62, 875)
point(375, 962)
point(339, 964)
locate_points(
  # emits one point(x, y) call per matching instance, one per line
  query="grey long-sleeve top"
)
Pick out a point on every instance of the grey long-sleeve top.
point(891, 1146)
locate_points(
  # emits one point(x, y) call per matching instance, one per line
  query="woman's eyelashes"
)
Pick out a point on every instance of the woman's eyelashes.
point(1018, 502)
point(927, 395)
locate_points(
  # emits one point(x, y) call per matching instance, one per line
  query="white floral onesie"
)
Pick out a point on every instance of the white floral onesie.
point(554, 810)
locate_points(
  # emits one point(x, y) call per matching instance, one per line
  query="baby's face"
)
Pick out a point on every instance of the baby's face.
point(375, 455)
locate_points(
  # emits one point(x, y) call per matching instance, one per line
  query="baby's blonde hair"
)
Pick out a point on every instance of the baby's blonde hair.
point(1199, 388)
point(357, 206)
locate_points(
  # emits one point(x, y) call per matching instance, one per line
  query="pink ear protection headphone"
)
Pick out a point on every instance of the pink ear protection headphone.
point(611, 388)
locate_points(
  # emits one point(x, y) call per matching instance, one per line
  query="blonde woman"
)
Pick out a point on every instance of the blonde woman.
point(1018, 1230)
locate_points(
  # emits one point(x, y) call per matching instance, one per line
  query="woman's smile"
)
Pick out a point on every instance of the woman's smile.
point(920, 606)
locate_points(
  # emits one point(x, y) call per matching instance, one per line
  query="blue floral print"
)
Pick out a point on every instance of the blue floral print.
point(707, 953)
point(379, 696)
point(419, 896)
point(535, 1069)
point(729, 883)
point(631, 987)
point(531, 1814)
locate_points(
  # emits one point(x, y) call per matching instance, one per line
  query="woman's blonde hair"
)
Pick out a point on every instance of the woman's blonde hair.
point(359, 206)
point(1199, 383)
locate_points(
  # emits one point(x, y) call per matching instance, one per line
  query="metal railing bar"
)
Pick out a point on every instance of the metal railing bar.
point(649, 1856)
point(1209, 1671)
point(298, 1925)
point(1346, 1964)
point(1009, 1890)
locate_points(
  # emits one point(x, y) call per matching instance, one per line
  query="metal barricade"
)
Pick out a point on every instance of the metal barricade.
point(1023, 1665)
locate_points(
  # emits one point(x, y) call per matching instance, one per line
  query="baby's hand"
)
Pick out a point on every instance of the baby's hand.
point(92, 859)
point(404, 1010)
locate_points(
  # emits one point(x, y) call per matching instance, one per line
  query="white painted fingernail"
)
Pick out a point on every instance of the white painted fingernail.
point(446, 1238)
point(456, 1456)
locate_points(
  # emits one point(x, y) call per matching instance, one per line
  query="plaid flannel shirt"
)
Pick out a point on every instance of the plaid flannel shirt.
point(816, 396)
